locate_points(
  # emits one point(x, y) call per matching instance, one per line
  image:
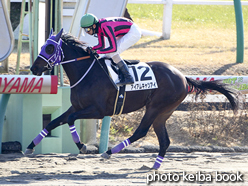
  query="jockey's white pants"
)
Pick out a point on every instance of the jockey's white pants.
point(125, 42)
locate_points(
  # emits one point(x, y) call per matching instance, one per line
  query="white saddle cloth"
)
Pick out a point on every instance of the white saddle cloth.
point(143, 75)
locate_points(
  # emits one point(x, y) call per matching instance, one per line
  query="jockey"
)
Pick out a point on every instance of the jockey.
point(121, 33)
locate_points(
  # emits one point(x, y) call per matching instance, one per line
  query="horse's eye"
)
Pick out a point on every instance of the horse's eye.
point(49, 49)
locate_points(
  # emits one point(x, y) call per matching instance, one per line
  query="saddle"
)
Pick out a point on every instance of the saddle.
point(116, 69)
point(142, 73)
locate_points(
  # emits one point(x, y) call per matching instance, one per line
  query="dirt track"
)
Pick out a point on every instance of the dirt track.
point(123, 169)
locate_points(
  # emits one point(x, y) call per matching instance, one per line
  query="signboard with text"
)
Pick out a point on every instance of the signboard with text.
point(28, 84)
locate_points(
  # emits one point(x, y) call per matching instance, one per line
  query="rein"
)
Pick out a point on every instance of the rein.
point(83, 75)
point(86, 57)
point(72, 60)
point(78, 59)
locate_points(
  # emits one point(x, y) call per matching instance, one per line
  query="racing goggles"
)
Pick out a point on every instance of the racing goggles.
point(88, 29)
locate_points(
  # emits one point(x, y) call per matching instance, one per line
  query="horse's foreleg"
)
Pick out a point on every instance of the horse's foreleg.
point(163, 138)
point(140, 132)
point(87, 113)
point(52, 125)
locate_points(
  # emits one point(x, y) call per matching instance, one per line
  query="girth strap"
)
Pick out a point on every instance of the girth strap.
point(120, 100)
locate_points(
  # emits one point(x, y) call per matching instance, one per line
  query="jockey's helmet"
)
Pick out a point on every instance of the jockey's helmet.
point(88, 20)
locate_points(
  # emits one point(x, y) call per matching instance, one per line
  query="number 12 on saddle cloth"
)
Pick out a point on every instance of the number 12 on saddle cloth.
point(142, 73)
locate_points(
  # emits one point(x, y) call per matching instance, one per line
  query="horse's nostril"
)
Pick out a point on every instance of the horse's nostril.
point(33, 70)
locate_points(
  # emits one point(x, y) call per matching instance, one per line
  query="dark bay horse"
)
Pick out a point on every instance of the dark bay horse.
point(93, 94)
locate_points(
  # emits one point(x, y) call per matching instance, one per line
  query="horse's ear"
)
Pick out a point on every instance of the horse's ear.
point(59, 35)
point(51, 32)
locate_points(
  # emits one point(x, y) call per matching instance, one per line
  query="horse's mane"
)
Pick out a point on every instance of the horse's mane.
point(73, 42)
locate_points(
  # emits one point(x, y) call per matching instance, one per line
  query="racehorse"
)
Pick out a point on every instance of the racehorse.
point(93, 95)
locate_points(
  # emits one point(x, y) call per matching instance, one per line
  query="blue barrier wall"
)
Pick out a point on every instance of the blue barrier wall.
point(23, 121)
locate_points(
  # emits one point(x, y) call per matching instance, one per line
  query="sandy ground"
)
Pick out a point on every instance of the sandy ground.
point(195, 168)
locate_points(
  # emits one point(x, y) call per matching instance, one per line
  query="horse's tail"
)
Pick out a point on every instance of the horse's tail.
point(202, 86)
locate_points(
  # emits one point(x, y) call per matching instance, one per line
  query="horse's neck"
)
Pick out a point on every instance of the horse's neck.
point(75, 70)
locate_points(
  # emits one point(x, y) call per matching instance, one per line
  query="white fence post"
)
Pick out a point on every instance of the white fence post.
point(167, 17)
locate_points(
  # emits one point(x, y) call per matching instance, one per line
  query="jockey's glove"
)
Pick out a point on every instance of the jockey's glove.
point(88, 49)
point(92, 53)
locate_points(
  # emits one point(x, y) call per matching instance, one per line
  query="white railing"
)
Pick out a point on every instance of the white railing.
point(167, 12)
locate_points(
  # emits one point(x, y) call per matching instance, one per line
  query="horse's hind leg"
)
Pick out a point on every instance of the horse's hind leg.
point(163, 138)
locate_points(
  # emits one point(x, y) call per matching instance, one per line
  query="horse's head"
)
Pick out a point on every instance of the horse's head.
point(51, 54)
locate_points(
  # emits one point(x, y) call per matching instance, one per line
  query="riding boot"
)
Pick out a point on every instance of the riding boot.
point(127, 78)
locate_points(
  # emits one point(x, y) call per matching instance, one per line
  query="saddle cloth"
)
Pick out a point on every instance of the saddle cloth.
point(143, 75)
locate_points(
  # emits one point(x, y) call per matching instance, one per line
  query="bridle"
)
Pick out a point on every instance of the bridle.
point(57, 56)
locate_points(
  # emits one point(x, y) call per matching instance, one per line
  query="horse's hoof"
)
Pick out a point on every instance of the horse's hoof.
point(105, 155)
point(83, 150)
point(29, 151)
